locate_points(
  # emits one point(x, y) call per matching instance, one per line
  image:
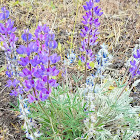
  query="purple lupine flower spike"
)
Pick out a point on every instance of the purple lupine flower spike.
point(35, 68)
point(90, 31)
point(135, 64)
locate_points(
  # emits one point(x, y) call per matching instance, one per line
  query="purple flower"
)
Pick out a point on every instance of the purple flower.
point(40, 29)
point(21, 49)
point(33, 47)
point(82, 58)
point(20, 89)
point(53, 44)
point(38, 73)
point(138, 54)
point(88, 6)
point(43, 95)
point(90, 31)
point(54, 71)
point(45, 79)
point(28, 84)
point(2, 29)
point(12, 83)
point(52, 82)
point(44, 59)
point(42, 68)
point(24, 61)
point(9, 83)
point(15, 82)
point(84, 31)
point(9, 74)
point(31, 98)
point(28, 51)
point(26, 36)
point(40, 85)
point(85, 20)
point(25, 73)
point(97, 1)
point(12, 39)
point(82, 49)
point(14, 93)
point(88, 66)
point(96, 22)
point(97, 11)
point(48, 71)
point(9, 26)
point(93, 41)
point(35, 61)
point(50, 42)
point(134, 70)
point(54, 58)
point(5, 13)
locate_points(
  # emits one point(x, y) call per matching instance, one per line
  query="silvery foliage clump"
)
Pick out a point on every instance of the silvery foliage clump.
point(112, 118)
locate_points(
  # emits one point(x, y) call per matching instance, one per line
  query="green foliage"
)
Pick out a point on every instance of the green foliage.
point(66, 115)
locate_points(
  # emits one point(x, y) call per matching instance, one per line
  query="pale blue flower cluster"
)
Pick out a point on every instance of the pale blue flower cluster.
point(71, 57)
point(103, 59)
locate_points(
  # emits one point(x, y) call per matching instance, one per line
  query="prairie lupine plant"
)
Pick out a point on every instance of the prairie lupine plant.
point(89, 32)
point(57, 114)
point(36, 61)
